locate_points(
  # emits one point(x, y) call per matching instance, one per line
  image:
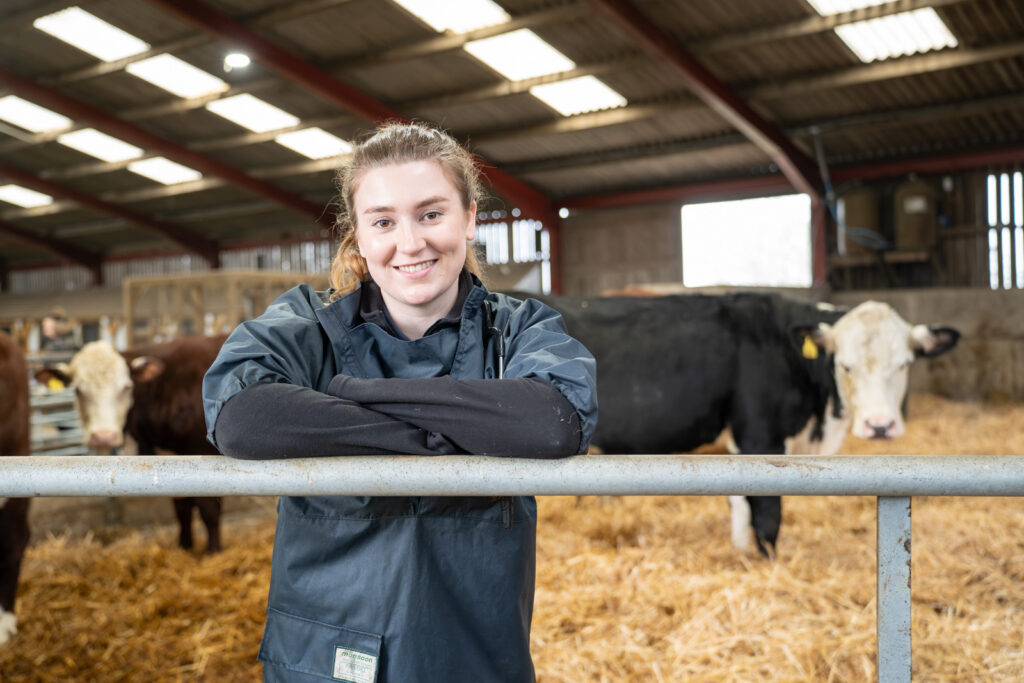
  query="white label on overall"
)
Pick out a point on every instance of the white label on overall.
point(354, 666)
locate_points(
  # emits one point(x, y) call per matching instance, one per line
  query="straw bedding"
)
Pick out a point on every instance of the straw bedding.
point(628, 589)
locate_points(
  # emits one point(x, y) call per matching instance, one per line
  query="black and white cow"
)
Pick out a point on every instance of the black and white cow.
point(14, 440)
point(783, 376)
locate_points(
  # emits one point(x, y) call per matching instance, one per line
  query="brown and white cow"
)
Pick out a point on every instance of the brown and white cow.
point(15, 439)
point(154, 395)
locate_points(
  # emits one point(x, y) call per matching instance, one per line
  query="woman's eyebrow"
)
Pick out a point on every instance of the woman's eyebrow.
point(439, 199)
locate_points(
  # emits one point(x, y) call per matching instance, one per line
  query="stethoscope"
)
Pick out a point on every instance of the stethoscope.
point(499, 337)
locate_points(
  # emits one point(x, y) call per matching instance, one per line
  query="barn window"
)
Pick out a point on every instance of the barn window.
point(1005, 202)
point(501, 241)
point(764, 242)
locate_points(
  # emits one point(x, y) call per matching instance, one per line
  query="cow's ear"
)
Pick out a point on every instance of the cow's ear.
point(55, 377)
point(812, 341)
point(146, 368)
point(929, 341)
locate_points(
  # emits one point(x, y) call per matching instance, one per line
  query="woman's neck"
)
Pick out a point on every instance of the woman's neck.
point(413, 321)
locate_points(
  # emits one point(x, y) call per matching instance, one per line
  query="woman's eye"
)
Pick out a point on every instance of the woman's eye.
point(432, 215)
point(382, 223)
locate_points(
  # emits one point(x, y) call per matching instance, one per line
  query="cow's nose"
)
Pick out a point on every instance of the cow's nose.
point(104, 439)
point(879, 429)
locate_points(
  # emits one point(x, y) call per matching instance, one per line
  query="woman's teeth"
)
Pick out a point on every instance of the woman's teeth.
point(416, 268)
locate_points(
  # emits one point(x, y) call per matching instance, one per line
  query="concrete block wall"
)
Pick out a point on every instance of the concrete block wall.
point(605, 250)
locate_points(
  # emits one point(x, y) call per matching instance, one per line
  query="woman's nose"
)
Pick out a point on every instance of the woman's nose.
point(409, 239)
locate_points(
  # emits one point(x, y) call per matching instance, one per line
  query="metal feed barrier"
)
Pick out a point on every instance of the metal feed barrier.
point(894, 479)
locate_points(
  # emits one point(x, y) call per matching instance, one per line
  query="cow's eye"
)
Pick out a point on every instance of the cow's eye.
point(125, 390)
point(846, 368)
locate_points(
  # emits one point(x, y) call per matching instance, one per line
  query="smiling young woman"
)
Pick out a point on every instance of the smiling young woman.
point(407, 354)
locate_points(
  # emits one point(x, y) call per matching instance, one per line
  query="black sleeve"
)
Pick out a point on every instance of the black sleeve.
point(522, 417)
point(270, 421)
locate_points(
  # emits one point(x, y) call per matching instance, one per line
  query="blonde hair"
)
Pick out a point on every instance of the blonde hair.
point(397, 143)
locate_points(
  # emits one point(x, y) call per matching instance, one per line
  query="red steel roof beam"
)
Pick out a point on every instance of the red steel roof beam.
point(86, 259)
point(82, 111)
point(333, 90)
point(798, 168)
point(206, 248)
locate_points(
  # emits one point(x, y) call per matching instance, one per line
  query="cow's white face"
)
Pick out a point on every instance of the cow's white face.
point(873, 348)
point(103, 394)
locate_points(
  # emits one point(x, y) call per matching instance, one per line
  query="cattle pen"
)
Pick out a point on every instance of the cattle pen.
point(893, 479)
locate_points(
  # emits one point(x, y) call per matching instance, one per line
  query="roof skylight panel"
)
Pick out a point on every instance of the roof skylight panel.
point(91, 34)
point(315, 143)
point(24, 197)
point(457, 16)
point(827, 7)
point(176, 76)
point(252, 113)
point(100, 145)
point(164, 170)
point(31, 117)
point(578, 95)
point(519, 54)
point(896, 35)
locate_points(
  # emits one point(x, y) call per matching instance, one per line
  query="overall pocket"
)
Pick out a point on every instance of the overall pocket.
point(320, 651)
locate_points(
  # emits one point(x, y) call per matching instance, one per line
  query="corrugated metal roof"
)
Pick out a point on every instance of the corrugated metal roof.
point(774, 57)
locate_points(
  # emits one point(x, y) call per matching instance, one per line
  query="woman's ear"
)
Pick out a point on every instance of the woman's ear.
point(471, 221)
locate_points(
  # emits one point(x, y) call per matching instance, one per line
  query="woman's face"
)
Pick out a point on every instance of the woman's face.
point(412, 229)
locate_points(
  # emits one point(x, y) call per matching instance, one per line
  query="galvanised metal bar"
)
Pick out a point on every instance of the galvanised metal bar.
point(892, 478)
point(872, 475)
point(893, 625)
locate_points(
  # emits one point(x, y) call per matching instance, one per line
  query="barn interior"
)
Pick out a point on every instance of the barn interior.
point(139, 202)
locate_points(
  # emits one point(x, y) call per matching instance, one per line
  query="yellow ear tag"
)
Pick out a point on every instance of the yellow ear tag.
point(55, 384)
point(810, 349)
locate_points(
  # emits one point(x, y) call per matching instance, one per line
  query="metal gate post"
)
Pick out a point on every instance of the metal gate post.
point(894, 659)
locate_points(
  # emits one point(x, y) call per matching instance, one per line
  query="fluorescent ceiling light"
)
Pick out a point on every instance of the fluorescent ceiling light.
point(827, 7)
point(91, 34)
point(174, 75)
point(252, 113)
point(314, 143)
point(896, 35)
point(164, 171)
point(24, 197)
point(519, 54)
point(578, 95)
point(100, 145)
point(31, 116)
point(457, 16)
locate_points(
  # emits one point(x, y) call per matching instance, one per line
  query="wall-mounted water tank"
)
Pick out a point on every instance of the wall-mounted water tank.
point(857, 214)
point(914, 224)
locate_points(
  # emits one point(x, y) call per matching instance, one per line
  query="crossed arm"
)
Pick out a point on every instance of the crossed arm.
point(521, 417)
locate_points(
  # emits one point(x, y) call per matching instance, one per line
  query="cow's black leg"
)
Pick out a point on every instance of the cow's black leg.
point(766, 518)
point(14, 533)
point(209, 511)
point(183, 510)
point(757, 436)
